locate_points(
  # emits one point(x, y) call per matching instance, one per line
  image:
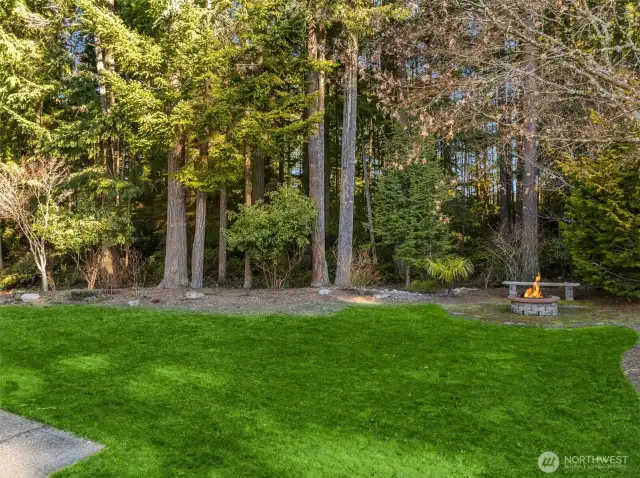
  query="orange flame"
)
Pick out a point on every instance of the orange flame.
point(534, 292)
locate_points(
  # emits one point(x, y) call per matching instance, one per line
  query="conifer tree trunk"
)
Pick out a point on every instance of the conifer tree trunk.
point(503, 193)
point(530, 170)
point(247, 201)
point(222, 237)
point(281, 168)
point(345, 231)
point(175, 261)
point(110, 256)
point(197, 252)
point(315, 84)
point(367, 194)
point(257, 176)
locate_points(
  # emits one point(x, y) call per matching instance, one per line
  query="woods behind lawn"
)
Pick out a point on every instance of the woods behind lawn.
point(380, 391)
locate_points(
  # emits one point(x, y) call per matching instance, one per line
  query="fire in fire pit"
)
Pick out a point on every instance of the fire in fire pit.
point(533, 302)
point(534, 292)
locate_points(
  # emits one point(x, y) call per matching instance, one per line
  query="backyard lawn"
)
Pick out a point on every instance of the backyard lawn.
point(371, 391)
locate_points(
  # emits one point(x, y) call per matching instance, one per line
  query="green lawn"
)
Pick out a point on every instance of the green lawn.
point(371, 391)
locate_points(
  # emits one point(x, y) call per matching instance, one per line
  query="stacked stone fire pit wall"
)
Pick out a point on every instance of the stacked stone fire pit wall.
point(542, 307)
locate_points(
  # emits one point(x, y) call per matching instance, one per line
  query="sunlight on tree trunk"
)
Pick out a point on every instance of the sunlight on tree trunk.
point(197, 253)
point(530, 179)
point(315, 85)
point(175, 262)
point(345, 233)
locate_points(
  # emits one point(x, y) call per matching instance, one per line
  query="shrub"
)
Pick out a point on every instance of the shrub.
point(602, 230)
point(504, 255)
point(82, 295)
point(364, 271)
point(274, 232)
point(87, 235)
point(18, 274)
point(449, 269)
point(430, 286)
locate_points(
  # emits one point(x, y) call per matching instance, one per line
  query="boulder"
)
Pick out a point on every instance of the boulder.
point(324, 292)
point(192, 294)
point(30, 297)
point(382, 296)
point(134, 303)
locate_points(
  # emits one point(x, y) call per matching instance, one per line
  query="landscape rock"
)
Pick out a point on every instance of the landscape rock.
point(30, 297)
point(324, 292)
point(382, 296)
point(134, 303)
point(192, 294)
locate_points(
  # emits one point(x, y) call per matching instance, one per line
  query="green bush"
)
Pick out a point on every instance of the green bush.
point(18, 274)
point(602, 232)
point(82, 295)
point(274, 232)
point(430, 286)
point(449, 269)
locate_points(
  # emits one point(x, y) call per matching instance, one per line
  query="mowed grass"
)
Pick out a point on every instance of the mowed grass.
point(371, 391)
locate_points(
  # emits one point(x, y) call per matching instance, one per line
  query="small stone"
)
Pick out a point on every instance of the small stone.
point(324, 292)
point(381, 296)
point(134, 303)
point(509, 323)
point(30, 297)
point(192, 294)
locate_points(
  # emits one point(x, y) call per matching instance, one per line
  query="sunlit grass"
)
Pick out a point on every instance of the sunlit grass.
point(370, 391)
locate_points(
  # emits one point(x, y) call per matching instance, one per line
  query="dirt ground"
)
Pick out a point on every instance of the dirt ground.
point(489, 305)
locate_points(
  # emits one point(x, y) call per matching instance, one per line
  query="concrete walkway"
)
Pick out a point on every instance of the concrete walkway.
point(30, 449)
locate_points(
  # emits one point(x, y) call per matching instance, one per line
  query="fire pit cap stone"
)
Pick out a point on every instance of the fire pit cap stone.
point(543, 300)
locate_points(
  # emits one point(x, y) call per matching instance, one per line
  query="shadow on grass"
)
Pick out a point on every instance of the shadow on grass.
point(370, 391)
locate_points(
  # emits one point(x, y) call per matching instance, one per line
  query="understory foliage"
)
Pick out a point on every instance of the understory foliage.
point(87, 234)
point(274, 232)
point(364, 270)
point(409, 214)
point(30, 192)
point(421, 130)
point(602, 230)
point(448, 269)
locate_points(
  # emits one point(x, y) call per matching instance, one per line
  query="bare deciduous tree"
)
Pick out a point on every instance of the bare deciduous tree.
point(28, 192)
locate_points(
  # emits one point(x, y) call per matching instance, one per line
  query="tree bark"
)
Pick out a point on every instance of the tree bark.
point(407, 275)
point(345, 230)
point(530, 177)
point(257, 176)
point(222, 236)
point(367, 193)
point(45, 281)
point(281, 167)
point(247, 201)
point(503, 193)
point(315, 85)
point(197, 252)
point(41, 264)
point(175, 261)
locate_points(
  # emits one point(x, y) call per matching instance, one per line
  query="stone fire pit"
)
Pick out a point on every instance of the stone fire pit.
point(534, 306)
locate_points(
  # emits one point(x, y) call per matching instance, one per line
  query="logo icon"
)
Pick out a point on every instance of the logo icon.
point(548, 462)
